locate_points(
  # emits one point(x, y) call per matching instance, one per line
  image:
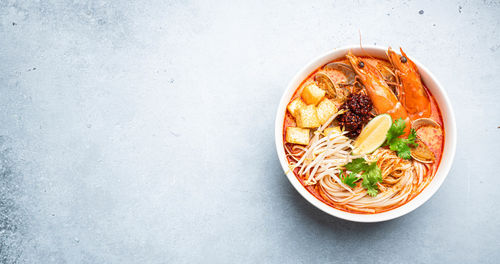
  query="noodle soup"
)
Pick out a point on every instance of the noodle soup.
point(364, 134)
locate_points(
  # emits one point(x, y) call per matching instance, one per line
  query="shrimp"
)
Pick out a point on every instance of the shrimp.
point(412, 93)
point(381, 95)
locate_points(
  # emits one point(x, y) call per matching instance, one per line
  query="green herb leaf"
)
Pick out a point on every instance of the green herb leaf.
point(371, 174)
point(356, 165)
point(372, 192)
point(397, 129)
point(370, 178)
point(400, 145)
point(412, 137)
point(349, 179)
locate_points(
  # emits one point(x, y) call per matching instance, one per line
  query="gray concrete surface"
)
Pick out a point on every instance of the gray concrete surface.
point(143, 132)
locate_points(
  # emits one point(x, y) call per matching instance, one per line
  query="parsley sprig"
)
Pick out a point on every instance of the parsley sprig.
point(401, 145)
point(371, 174)
point(349, 179)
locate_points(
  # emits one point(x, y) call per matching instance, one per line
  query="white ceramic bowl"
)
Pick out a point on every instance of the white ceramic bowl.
point(449, 145)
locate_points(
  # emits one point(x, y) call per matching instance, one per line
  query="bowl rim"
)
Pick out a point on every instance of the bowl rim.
point(448, 150)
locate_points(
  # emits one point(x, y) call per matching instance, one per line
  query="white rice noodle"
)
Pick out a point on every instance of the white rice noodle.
point(324, 158)
point(321, 162)
point(400, 181)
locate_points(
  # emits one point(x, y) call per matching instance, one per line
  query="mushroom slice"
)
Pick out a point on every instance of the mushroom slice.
point(422, 153)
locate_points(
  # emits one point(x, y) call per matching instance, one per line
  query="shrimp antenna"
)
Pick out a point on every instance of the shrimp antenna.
point(360, 41)
point(361, 46)
point(359, 33)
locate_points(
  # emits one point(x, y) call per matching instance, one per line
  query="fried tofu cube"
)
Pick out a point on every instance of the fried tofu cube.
point(307, 117)
point(325, 109)
point(294, 106)
point(332, 130)
point(312, 94)
point(297, 135)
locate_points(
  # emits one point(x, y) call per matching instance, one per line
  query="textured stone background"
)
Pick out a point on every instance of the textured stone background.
point(143, 132)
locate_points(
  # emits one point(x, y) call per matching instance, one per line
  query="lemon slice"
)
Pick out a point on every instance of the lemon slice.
point(373, 135)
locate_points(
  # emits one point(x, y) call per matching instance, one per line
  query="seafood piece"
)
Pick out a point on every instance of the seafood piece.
point(325, 82)
point(429, 133)
point(421, 122)
point(333, 90)
point(422, 152)
point(384, 67)
point(382, 97)
point(345, 69)
point(337, 89)
point(412, 93)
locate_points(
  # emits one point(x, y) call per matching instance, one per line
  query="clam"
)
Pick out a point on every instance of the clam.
point(345, 69)
point(325, 82)
point(421, 122)
point(422, 153)
point(336, 90)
